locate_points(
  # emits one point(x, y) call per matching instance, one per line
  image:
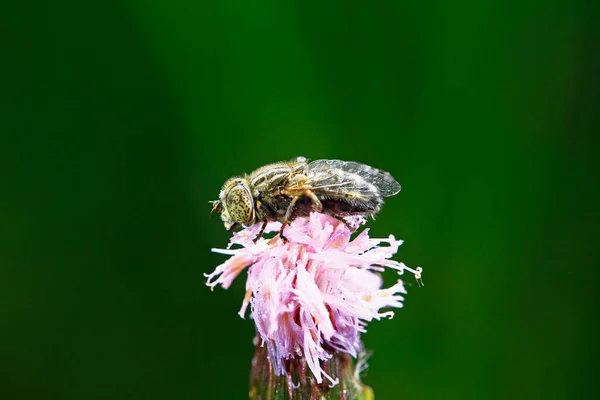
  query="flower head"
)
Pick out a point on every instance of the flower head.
point(314, 294)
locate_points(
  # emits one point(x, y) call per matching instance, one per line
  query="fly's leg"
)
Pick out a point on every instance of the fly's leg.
point(261, 213)
point(313, 202)
point(288, 217)
point(260, 233)
point(285, 240)
point(308, 200)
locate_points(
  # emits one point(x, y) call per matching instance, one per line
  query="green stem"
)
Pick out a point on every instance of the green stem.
point(300, 384)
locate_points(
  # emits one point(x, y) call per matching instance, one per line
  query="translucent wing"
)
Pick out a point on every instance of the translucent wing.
point(326, 171)
point(339, 183)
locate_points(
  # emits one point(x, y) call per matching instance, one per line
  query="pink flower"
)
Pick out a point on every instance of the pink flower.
point(315, 293)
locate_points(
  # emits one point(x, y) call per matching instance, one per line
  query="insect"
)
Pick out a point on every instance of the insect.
point(287, 190)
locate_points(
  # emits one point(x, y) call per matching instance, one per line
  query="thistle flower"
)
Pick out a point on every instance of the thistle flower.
point(313, 295)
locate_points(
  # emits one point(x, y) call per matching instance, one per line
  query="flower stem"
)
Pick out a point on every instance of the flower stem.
point(300, 383)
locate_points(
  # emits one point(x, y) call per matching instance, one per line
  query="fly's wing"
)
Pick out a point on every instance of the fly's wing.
point(326, 177)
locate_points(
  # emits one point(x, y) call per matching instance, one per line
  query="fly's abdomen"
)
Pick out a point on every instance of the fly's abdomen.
point(343, 206)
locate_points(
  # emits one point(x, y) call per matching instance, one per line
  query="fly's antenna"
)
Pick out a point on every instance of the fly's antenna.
point(216, 206)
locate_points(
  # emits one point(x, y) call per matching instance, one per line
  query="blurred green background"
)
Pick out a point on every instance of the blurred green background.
point(121, 120)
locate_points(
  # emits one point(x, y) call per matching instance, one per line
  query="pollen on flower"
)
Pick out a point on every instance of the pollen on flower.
point(315, 293)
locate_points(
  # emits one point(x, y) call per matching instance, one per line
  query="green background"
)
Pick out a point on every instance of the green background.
point(121, 120)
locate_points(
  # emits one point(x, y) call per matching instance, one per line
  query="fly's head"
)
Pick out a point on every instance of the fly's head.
point(236, 204)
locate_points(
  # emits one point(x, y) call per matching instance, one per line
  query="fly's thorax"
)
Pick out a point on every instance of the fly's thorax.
point(238, 203)
point(272, 176)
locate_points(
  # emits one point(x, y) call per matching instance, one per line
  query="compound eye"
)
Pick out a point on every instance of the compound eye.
point(240, 205)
